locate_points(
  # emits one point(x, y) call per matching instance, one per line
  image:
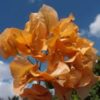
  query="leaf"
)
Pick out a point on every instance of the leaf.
point(94, 92)
point(96, 68)
point(74, 95)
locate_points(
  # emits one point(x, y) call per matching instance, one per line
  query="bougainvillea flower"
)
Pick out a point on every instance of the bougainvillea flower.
point(23, 43)
point(8, 43)
point(50, 16)
point(20, 70)
point(37, 92)
point(15, 39)
point(39, 26)
point(70, 58)
point(42, 22)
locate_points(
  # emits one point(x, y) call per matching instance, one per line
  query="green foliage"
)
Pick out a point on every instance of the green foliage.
point(74, 95)
point(96, 69)
point(94, 93)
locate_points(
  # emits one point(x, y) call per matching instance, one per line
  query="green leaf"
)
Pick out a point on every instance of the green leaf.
point(74, 95)
point(94, 93)
point(96, 68)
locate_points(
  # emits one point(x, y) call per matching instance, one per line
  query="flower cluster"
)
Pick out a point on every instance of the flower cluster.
point(70, 58)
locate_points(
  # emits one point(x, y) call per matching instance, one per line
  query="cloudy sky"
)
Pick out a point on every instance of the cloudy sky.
point(14, 13)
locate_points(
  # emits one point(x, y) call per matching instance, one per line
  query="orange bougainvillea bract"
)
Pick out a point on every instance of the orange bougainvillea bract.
point(69, 58)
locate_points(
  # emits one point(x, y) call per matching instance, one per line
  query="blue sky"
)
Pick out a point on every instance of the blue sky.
point(15, 13)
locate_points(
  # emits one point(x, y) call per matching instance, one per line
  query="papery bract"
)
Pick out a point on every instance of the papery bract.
point(70, 58)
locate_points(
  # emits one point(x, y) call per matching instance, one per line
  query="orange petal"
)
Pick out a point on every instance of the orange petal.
point(7, 42)
point(73, 78)
point(60, 91)
point(37, 92)
point(50, 15)
point(20, 68)
point(61, 69)
point(87, 77)
point(36, 26)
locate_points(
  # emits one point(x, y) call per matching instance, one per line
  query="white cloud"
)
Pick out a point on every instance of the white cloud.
point(5, 81)
point(4, 71)
point(1, 62)
point(6, 90)
point(94, 27)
